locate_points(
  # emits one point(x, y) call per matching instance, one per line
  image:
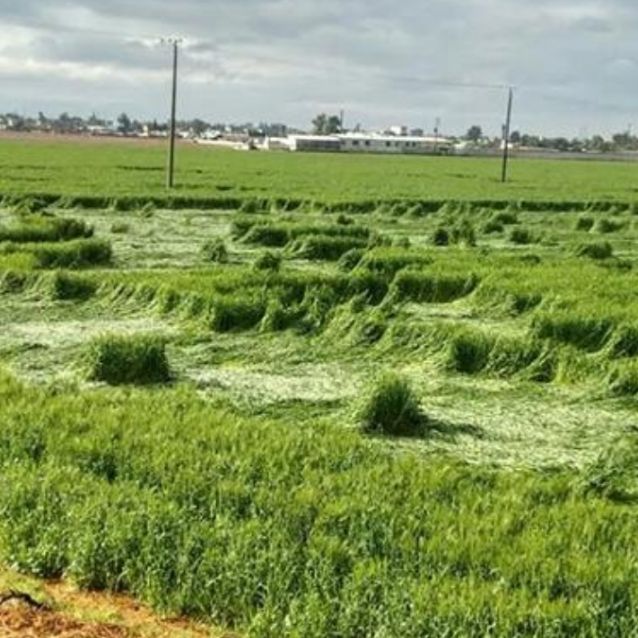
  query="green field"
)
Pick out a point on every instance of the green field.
point(94, 169)
point(196, 404)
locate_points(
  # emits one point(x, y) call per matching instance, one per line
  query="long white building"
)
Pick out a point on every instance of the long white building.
point(363, 143)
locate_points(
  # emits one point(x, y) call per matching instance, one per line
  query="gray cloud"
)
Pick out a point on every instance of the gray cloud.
point(574, 62)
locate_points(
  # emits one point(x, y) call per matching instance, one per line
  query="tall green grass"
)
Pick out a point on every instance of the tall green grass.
point(45, 229)
point(282, 531)
point(78, 253)
point(392, 408)
point(122, 360)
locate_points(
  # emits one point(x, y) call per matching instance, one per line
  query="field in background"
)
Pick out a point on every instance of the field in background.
point(182, 382)
point(137, 169)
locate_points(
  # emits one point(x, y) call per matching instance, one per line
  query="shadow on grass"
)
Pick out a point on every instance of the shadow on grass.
point(435, 429)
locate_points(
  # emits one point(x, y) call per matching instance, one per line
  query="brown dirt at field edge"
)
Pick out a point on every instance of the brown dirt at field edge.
point(22, 621)
point(70, 613)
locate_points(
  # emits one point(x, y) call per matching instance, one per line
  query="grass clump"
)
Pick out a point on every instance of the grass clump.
point(606, 226)
point(328, 248)
point(427, 287)
point(129, 360)
point(13, 281)
point(624, 343)
point(598, 250)
point(623, 380)
point(493, 227)
point(215, 251)
point(41, 228)
point(585, 223)
point(232, 313)
point(344, 220)
point(389, 261)
point(614, 474)
point(120, 228)
point(586, 333)
point(522, 236)
point(505, 217)
point(469, 352)
point(68, 286)
point(464, 234)
point(80, 253)
point(267, 235)
point(392, 408)
point(349, 260)
point(441, 237)
point(269, 261)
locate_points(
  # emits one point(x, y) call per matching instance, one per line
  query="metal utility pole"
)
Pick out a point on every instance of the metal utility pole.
point(170, 169)
point(437, 127)
point(506, 134)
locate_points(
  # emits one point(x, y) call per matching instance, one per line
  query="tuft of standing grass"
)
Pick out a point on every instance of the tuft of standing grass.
point(215, 251)
point(585, 222)
point(493, 227)
point(79, 253)
point(120, 228)
point(441, 237)
point(596, 250)
point(129, 360)
point(68, 286)
point(327, 247)
point(234, 313)
point(429, 287)
point(392, 408)
point(269, 261)
point(469, 352)
point(522, 236)
point(40, 228)
point(606, 226)
point(623, 380)
point(614, 474)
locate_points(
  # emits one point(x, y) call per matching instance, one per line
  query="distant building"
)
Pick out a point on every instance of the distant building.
point(399, 130)
point(314, 143)
point(362, 143)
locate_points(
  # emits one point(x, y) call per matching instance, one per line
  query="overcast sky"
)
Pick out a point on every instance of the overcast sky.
point(574, 62)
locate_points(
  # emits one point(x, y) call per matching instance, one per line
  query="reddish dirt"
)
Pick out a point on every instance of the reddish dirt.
point(21, 621)
point(67, 608)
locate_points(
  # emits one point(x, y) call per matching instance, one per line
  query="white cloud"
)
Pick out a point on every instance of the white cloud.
point(573, 61)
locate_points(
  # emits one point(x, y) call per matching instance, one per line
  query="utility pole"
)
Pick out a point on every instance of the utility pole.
point(506, 134)
point(170, 170)
point(437, 127)
point(341, 120)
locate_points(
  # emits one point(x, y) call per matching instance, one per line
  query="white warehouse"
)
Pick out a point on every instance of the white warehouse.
point(363, 143)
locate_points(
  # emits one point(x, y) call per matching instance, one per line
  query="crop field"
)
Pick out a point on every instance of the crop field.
point(323, 396)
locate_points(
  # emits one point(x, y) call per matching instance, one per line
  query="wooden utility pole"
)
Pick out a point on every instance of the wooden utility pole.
point(170, 170)
point(506, 134)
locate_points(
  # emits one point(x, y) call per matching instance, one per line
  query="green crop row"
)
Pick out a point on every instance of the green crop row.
point(281, 531)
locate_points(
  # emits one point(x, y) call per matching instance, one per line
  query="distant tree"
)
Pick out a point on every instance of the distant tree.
point(326, 124)
point(333, 125)
point(63, 123)
point(198, 127)
point(124, 123)
point(474, 133)
point(515, 137)
point(319, 123)
point(597, 143)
